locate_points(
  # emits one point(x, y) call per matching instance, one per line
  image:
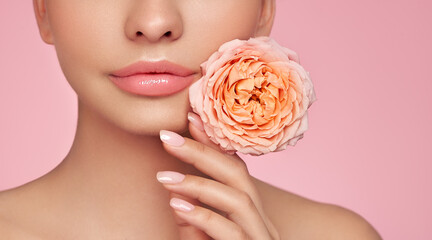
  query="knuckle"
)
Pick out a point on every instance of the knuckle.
point(198, 185)
point(245, 201)
point(200, 147)
point(241, 167)
point(199, 182)
point(239, 233)
point(276, 236)
point(250, 204)
point(206, 217)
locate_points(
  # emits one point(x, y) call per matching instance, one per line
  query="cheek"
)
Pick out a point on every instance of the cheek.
point(84, 35)
point(81, 41)
point(211, 23)
point(231, 21)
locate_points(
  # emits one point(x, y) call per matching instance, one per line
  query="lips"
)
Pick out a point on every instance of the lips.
point(159, 78)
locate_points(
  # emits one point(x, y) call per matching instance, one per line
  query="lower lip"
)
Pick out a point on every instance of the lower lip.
point(152, 84)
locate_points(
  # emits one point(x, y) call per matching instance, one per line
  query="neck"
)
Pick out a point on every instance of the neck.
point(109, 156)
point(111, 171)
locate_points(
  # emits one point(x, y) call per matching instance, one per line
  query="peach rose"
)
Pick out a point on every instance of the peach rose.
point(253, 96)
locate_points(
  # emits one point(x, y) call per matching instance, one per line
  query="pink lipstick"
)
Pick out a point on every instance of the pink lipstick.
point(153, 78)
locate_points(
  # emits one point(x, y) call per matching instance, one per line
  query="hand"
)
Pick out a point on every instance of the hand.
point(234, 208)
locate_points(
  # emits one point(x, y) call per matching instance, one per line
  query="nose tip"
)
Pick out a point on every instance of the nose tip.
point(154, 22)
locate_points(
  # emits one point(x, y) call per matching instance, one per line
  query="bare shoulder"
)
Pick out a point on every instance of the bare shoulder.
point(6, 226)
point(297, 217)
point(9, 209)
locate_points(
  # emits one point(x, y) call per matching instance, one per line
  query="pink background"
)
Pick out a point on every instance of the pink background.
point(368, 146)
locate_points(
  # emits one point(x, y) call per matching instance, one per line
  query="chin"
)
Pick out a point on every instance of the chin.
point(172, 117)
point(152, 127)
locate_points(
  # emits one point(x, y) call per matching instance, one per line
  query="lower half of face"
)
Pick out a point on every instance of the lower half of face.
point(94, 38)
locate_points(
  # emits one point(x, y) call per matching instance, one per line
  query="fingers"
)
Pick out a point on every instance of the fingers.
point(213, 224)
point(237, 204)
point(231, 189)
point(229, 170)
point(196, 129)
point(187, 230)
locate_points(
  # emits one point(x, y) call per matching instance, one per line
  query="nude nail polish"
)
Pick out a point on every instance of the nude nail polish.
point(171, 138)
point(169, 177)
point(181, 205)
point(194, 119)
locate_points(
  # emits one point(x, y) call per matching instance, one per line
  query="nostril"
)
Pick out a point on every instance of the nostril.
point(167, 34)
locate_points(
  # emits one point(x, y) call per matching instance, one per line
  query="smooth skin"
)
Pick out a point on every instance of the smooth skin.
point(106, 186)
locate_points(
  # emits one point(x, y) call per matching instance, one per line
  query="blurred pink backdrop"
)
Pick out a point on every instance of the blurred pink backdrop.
point(368, 146)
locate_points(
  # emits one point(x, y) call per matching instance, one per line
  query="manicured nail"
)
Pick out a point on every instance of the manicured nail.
point(171, 138)
point(195, 120)
point(169, 177)
point(181, 205)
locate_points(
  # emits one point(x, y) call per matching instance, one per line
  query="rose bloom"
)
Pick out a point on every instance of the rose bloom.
point(253, 96)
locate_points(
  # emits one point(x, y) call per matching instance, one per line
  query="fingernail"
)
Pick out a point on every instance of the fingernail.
point(171, 138)
point(169, 177)
point(181, 205)
point(195, 120)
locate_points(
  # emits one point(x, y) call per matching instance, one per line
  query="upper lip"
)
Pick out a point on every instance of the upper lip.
point(157, 67)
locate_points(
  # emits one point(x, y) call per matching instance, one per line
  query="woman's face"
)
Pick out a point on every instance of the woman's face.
point(94, 38)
